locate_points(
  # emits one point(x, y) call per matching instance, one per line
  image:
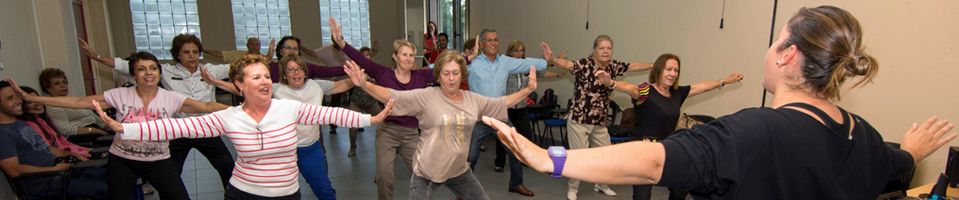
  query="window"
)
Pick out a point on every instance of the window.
point(263, 19)
point(352, 15)
point(155, 23)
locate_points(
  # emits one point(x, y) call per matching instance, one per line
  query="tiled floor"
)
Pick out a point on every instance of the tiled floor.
point(352, 177)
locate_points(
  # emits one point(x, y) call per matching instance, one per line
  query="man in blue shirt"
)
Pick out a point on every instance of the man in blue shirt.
point(488, 73)
point(23, 150)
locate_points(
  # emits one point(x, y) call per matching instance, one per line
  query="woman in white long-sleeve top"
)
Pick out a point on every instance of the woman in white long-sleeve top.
point(262, 130)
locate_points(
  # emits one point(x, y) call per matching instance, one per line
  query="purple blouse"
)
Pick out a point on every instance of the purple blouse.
point(387, 78)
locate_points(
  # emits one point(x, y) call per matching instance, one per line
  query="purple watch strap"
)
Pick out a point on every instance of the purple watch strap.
point(558, 163)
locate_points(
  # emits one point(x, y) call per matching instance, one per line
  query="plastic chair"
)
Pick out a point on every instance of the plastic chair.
point(617, 133)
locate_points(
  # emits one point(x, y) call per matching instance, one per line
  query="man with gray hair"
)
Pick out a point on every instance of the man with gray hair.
point(489, 71)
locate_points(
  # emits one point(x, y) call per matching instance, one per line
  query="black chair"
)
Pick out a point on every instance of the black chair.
point(21, 192)
point(557, 122)
point(617, 133)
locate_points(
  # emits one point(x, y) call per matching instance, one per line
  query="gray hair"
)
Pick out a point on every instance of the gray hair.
point(483, 33)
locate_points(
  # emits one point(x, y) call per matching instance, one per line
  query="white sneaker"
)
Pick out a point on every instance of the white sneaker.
point(608, 191)
point(571, 195)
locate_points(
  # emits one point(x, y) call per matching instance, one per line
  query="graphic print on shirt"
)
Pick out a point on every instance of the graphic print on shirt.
point(141, 148)
point(453, 129)
point(31, 136)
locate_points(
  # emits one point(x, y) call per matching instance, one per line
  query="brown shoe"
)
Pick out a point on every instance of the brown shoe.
point(522, 191)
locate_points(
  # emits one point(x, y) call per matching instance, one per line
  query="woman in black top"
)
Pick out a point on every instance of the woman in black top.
point(804, 147)
point(656, 104)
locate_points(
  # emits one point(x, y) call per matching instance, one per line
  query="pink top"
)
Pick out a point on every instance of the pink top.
point(130, 109)
point(55, 140)
point(266, 150)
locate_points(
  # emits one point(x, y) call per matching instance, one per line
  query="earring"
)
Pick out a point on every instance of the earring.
point(777, 62)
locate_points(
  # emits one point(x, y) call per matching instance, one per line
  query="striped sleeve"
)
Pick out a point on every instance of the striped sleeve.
point(172, 128)
point(309, 114)
point(643, 94)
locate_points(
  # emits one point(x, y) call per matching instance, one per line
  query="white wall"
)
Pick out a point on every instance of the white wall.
point(914, 41)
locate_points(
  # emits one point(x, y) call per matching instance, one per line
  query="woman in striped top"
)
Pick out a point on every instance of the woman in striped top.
point(145, 102)
point(262, 131)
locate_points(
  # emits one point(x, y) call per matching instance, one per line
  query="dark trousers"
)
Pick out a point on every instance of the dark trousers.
point(232, 193)
point(520, 119)
point(645, 192)
point(480, 131)
point(89, 184)
point(212, 148)
point(122, 177)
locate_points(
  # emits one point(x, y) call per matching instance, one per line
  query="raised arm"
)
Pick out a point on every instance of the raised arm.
point(65, 101)
point(634, 91)
point(306, 50)
point(358, 77)
point(705, 86)
point(559, 62)
point(271, 49)
point(224, 85)
point(516, 97)
point(108, 61)
point(355, 55)
point(599, 165)
point(194, 106)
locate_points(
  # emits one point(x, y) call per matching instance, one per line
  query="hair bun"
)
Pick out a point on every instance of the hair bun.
point(860, 64)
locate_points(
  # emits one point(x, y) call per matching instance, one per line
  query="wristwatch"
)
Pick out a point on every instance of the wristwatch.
point(558, 155)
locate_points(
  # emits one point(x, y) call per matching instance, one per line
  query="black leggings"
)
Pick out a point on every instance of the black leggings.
point(122, 176)
point(212, 148)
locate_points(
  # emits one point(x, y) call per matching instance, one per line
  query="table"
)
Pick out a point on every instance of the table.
point(914, 192)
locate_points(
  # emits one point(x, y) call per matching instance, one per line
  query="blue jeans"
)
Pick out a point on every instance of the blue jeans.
point(464, 186)
point(90, 184)
point(312, 163)
point(480, 131)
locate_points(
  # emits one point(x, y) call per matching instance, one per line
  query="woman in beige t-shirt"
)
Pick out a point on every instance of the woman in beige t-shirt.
point(446, 115)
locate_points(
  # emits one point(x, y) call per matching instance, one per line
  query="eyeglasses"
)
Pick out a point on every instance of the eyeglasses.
point(291, 70)
point(291, 48)
point(259, 136)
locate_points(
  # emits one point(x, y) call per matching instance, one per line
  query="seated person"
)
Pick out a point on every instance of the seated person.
point(69, 122)
point(35, 115)
point(22, 150)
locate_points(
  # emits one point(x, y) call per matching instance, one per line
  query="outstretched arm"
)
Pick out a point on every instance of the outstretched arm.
point(341, 86)
point(706, 86)
point(634, 91)
point(64, 101)
point(634, 163)
point(194, 106)
point(559, 62)
point(213, 52)
point(639, 66)
point(166, 129)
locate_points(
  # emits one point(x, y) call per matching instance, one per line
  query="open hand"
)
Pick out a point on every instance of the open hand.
point(20, 93)
point(603, 77)
point(547, 53)
point(733, 78)
point(337, 32)
point(385, 112)
point(205, 74)
point(525, 150)
point(357, 74)
point(86, 48)
point(532, 79)
point(112, 124)
point(922, 140)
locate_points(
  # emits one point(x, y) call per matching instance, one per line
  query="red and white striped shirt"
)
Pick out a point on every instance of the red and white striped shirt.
point(266, 163)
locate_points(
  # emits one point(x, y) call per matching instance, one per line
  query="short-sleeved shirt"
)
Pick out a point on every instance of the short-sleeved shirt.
point(765, 153)
point(657, 115)
point(446, 125)
point(17, 139)
point(130, 109)
point(590, 96)
point(312, 93)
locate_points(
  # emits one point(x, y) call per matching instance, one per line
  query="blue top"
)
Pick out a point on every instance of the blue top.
point(489, 78)
point(17, 139)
